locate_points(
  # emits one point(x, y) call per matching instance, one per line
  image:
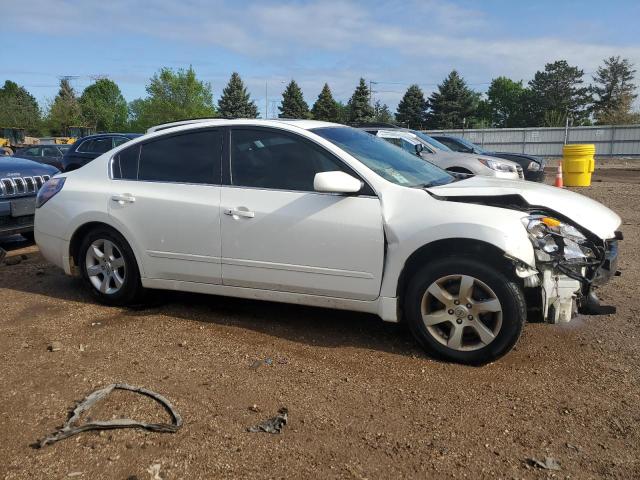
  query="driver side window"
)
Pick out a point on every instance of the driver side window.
point(269, 159)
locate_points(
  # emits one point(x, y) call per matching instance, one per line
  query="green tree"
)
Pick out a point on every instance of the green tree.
point(326, 108)
point(381, 113)
point(453, 105)
point(103, 106)
point(559, 91)
point(412, 108)
point(343, 113)
point(65, 110)
point(505, 104)
point(614, 92)
point(173, 95)
point(360, 109)
point(235, 101)
point(293, 104)
point(19, 108)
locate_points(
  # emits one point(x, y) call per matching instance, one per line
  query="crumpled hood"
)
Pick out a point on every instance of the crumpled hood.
point(582, 210)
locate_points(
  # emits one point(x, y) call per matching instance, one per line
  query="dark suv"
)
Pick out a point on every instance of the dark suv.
point(532, 165)
point(49, 154)
point(88, 148)
point(20, 180)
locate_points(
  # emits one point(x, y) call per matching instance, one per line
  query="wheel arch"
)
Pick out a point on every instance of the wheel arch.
point(450, 247)
point(82, 230)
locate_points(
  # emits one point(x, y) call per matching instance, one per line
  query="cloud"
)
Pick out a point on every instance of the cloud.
point(393, 41)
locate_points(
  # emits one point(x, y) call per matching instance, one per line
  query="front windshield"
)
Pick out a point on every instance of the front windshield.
point(475, 148)
point(387, 160)
point(431, 141)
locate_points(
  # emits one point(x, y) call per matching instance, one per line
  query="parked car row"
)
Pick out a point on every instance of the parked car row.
point(532, 165)
point(435, 152)
point(322, 214)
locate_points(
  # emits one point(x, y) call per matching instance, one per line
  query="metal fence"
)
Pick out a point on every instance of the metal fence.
point(610, 141)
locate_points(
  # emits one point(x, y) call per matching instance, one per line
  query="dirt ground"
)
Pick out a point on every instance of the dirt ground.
point(364, 401)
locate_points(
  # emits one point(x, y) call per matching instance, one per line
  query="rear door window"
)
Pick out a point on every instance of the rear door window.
point(50, 152)
point(119, 141)
point(193, 157)
point(125, 163)
point(96, 145)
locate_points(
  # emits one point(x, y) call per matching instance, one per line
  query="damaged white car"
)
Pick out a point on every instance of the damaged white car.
point(322, 214)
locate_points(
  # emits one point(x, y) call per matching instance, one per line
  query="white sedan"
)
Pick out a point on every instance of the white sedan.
point(321, 214)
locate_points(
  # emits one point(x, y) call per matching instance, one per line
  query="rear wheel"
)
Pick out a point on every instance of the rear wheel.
point(465, 311)
point(109, 267)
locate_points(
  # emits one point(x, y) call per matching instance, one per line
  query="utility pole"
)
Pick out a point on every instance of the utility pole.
point(266, 99)
point(371, 92)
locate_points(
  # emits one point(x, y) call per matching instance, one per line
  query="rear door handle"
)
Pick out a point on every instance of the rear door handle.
point(239, 212)
point(123, 198)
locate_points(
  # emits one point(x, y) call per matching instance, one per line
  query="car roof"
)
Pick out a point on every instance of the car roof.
point(400, 134)
point(203, 122)
point(115, 134)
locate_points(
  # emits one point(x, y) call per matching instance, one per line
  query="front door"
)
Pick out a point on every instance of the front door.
point(166, 192)
point(279, 234)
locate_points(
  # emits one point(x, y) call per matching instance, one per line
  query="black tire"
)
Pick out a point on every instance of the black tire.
point(506, 290)
point(131, 291)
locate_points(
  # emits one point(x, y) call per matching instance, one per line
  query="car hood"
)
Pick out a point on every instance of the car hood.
point(524, 156)
point(21, 167)
point(581, 210)
point(468, 157)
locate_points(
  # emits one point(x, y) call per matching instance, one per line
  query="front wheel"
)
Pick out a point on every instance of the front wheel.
point(464, 310)
point(109, 267)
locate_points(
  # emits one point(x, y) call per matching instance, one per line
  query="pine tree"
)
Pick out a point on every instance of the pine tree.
point(412, 108)
point(19, 109)
point(381, 113)
point(453, 104)
point(614, 92)
point(326, 108)
point(235, 101)
point(293, 104)
point(558, 91)
point(65, 110)
point(360, 110)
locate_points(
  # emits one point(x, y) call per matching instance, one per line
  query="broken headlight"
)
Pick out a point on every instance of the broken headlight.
point(551, 238)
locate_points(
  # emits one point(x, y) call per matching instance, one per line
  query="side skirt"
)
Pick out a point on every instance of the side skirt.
point(384, 307)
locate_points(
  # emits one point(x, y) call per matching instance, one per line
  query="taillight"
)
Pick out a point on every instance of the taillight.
point(49, 189)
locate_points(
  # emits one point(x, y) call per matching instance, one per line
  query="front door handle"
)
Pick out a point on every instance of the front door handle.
point(239, 212)
point(123, 198)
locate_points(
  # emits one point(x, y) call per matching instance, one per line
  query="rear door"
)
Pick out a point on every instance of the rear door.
point(279, 234)
point(166, 194)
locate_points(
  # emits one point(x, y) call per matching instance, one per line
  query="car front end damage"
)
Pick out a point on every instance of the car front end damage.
point(570, 263)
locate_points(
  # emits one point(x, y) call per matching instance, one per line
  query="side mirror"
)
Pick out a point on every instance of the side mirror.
point(336, 182)
point(419, 148)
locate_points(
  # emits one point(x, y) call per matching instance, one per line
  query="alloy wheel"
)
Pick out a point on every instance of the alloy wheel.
point(105, 266)
point(461, 312)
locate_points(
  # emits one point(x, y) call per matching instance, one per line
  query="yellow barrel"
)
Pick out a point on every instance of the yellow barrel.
point(578, 164)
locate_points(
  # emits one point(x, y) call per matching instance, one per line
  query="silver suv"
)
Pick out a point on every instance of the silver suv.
point(447, 159)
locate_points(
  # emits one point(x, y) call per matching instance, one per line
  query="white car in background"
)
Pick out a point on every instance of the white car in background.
point(450, 160)
point(321, 214)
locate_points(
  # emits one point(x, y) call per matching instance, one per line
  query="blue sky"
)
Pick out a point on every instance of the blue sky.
point(394, 43)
